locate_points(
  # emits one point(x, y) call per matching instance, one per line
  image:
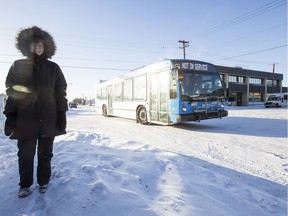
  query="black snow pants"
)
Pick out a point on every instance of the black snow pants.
point(26, 152)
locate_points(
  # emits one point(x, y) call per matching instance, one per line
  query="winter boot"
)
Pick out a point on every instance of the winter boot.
point(43, 188)
point(23, 192)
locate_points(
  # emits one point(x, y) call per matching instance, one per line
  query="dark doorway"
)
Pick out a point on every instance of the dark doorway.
point(239, 99)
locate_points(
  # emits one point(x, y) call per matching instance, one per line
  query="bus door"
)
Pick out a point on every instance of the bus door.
point(158, 97)
point(110, 100)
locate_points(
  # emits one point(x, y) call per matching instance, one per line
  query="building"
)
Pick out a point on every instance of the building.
point(246, 86)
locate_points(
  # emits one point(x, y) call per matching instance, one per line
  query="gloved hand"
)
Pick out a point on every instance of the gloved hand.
point(61, 121)
point(10, 124)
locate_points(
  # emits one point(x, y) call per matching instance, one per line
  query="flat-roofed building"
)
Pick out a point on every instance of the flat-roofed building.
point(245, 86)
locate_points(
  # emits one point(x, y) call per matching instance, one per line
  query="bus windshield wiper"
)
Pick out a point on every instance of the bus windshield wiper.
point(187, 97)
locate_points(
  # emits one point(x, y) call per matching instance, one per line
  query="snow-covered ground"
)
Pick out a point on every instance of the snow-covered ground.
point(115, 167)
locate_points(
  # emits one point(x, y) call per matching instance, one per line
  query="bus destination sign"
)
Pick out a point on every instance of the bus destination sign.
point(192, 66)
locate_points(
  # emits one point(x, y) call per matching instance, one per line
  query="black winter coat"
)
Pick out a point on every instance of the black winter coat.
point(36, 92)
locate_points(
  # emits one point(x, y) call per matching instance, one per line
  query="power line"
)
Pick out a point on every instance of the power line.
point(264, 50)
point(94, 68)
point(251, 34)
point(124, 69)
point(82, 59)
point(105, 60)
point(247, 16)
point(81, 67)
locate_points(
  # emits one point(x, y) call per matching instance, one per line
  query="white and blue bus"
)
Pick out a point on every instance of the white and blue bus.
point(167, 92)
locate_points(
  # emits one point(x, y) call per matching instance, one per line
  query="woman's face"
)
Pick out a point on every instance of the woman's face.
point(37, 48)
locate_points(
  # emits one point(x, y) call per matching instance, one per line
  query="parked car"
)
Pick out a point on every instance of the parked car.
point(73, 105)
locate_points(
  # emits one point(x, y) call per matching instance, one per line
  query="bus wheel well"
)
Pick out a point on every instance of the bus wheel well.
point(141, 115)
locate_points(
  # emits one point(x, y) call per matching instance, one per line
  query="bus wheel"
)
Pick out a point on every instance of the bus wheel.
point(142, 115)
point(104, 111)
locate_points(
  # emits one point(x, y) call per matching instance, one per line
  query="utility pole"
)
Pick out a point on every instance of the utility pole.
point(184, 45)
point(273, 71)
point(273, 78)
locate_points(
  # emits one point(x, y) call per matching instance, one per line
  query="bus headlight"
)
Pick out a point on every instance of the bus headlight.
point(184, 109)
point(222, 105)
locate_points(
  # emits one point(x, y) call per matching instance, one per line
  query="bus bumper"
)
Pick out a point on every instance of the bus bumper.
point(204, 115)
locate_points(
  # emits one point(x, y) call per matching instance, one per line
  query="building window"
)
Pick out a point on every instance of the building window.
point(256, 97)
point(257, 81)
point(269, 83)
point(236, 79)
point(232, 78)
point(240, 79)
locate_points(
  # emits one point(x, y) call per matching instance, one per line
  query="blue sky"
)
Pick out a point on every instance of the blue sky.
point(98, 40)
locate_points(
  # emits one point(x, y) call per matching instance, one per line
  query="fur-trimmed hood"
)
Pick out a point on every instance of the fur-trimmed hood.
point(35, 34)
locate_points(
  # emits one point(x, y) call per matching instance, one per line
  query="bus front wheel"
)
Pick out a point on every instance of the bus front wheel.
point(142, 115)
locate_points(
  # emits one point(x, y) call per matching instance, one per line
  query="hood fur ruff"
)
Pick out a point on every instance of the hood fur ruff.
point(35, 34)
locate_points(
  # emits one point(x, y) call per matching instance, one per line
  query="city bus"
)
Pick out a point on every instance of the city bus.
point(166, 93)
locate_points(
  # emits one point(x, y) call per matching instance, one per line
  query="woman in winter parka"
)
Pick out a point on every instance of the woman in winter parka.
point(36, 106)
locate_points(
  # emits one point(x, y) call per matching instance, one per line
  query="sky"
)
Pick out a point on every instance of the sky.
point(99, 40)
point(220, 167)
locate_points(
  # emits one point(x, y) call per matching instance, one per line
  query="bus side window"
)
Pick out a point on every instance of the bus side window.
point(127, 90)
point(173, 84)
point(118, 91)
point(173, 89)
point(140, 88)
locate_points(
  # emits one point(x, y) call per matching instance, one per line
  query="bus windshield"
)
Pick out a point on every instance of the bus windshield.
point(195, 84)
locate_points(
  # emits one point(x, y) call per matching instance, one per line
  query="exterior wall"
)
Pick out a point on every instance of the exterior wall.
point(242, 91)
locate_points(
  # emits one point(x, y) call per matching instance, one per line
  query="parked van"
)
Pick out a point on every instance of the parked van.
point(276, 100)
